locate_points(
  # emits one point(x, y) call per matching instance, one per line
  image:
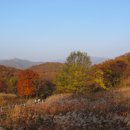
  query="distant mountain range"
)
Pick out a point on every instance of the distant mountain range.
point(18, 63)
point(24, 64)
point(97, 60)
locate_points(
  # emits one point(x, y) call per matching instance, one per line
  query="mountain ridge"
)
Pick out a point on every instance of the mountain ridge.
point(24, 64)
point(18, 63)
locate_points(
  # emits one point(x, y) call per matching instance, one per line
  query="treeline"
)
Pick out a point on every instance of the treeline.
point(26, 84)
point(78, 75)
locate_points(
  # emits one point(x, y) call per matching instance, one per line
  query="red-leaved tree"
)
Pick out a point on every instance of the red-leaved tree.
point(3, 86)
point(27, 83)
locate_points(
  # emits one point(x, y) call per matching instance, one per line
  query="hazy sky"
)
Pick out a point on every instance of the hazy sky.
point(50, 29)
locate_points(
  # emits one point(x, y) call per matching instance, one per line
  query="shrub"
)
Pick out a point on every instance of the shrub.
point(113, 72)
point(44, 89)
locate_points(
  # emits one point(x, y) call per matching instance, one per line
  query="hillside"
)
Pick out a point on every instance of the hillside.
point(125, 56)
point(48, 71)
point(97, 111)
point(8, 79)
point(107, 109)
point(8, 71)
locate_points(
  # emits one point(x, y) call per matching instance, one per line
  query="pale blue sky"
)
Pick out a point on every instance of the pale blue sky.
point(43, 30)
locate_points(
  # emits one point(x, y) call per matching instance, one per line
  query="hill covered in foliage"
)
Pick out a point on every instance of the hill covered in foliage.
point(8, 79)
point(108, 74)
point(49, 70)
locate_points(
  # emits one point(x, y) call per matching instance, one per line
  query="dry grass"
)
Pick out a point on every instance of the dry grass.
point(9, 99)
point(6, 98)
point(7, 95)
point(101, 104)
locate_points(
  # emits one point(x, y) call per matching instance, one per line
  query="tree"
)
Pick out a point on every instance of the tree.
point(79, 58)
point(96, 79)
point(72, 79)
point(74, 73)
point(27, 83)
point(44, 89)
point(2, 86)
point(114, 71)
point(11, 84)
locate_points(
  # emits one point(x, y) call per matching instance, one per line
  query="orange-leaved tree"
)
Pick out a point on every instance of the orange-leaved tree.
point(27, 83)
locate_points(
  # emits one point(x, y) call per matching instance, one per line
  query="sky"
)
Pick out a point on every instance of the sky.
point(47, 30)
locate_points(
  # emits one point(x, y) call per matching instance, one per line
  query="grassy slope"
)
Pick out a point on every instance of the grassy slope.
point(103, 110)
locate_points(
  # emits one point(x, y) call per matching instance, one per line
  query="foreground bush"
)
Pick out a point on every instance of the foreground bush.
point(104, 110)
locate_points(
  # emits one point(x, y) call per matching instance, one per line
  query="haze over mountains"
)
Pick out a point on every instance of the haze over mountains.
point(24, 64)
point(18, 63)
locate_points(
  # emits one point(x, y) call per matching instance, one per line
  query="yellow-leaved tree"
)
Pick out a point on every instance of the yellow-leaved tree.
point(74, 74)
